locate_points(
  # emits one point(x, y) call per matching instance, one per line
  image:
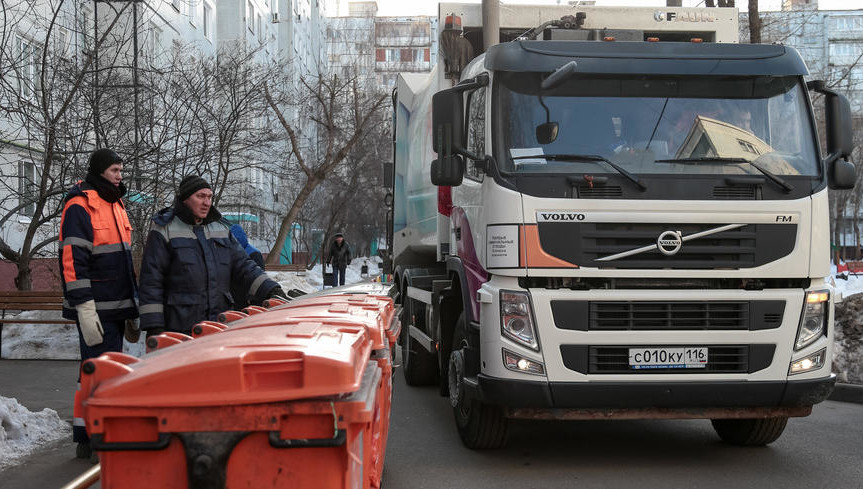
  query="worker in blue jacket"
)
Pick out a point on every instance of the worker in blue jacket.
point(253, 252)
point(190, 261)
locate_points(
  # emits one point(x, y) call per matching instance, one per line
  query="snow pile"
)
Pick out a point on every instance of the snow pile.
point(848, 340)
point(22, 431)
point(28, 341)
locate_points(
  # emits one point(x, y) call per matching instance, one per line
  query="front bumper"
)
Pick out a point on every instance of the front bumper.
point(639, 395)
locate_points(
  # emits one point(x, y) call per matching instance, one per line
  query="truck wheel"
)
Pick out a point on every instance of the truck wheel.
point(750, 432)
point(418, 365)
point(480, 425)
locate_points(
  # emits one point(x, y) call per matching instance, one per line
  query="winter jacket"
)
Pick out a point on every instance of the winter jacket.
point(253, 252)
point(96, 253)
point(187, 271)
point(340, 255)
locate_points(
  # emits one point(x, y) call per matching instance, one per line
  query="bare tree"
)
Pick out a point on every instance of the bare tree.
point(342, 114)
point(43, 118)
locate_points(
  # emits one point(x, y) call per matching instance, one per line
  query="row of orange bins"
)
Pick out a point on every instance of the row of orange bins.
point(295, 395)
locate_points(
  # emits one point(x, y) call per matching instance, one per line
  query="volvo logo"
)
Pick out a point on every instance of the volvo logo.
point(669, 242)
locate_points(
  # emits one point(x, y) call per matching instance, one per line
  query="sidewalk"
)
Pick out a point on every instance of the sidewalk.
point(38, 384)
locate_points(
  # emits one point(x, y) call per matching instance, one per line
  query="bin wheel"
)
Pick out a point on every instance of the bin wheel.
point(419, 366)
point(750, 432)
point(480, 425)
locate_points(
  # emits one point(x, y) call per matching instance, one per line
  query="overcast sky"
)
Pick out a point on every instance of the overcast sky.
point(429, 7)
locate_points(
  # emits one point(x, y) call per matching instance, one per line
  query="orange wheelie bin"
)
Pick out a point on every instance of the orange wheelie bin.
point(289, 405)
point(377, 315)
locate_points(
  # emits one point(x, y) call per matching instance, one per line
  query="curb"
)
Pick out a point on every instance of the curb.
point(847, 393)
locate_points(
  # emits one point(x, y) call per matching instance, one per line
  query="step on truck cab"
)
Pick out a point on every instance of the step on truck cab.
point(616, 215)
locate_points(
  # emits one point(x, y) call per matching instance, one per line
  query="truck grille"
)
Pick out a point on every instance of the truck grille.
point(724, 359)
point(667, 316)
point(749, 246)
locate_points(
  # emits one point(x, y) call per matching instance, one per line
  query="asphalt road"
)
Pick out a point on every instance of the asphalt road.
point(424, 451)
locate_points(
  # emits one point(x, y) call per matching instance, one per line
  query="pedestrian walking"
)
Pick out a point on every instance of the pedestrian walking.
point(99, 290)
point(340, 256)
point(190, 261)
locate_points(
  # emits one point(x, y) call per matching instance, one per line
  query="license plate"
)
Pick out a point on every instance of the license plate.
point(684, 357)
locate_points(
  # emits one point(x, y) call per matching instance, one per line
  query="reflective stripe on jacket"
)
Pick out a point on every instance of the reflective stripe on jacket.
point(96, 255)
point(187, 272)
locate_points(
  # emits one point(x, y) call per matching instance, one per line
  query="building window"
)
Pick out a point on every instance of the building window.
point(63, 40)
point(28, 77)
point(27, 188)
point(193, 11)
point(207, 20)
point(845, 53)
point(153, 44)
point(250, 17)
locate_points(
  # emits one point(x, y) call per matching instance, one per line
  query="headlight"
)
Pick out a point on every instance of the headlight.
point(809, 363)
point(518, 363)
point(517, 318)
point(813, 321)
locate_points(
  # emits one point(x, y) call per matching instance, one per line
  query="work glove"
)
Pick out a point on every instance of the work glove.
point(88, 319)
point(132, 333)
point(277, 293)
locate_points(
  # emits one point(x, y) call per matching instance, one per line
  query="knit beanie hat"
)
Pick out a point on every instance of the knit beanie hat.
point(189, 185)
point(101, 159)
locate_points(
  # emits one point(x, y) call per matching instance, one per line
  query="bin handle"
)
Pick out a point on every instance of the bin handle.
point(97, 443)
point(337, 441)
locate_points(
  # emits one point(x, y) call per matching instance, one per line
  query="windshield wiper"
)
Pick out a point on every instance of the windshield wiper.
point(767, 173)
point(592, 158)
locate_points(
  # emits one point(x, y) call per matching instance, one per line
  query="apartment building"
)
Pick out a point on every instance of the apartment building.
point(380, 47)
point(140, 37)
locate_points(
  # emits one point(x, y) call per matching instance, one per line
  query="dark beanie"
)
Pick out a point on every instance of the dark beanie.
point(189, 185)
point(101, 159)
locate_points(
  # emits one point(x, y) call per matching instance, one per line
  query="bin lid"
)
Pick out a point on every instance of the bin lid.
point(312, 358)
point(334, 312)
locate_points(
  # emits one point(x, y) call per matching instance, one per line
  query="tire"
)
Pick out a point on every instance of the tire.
point(750, 432)
point(418, 365)
point(480, 425)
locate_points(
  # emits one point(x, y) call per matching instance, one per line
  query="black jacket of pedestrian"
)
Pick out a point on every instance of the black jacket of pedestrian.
point(340, 254)
point(187, 271)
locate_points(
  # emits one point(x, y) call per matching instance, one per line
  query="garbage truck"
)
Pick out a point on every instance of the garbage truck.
point(616, 214)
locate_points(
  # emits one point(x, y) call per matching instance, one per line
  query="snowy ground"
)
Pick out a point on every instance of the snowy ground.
point(22, 431)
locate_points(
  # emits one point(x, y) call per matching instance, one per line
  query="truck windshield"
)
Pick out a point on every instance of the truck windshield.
point(645, 124)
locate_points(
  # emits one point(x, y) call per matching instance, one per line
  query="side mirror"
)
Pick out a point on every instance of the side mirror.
point(448, 122)
point(840, 139)
point(546, 133)
point(447, 171)
point(841, 174)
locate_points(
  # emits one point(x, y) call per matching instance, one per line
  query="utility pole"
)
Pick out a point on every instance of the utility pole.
point(134, 184)
point(490, 23)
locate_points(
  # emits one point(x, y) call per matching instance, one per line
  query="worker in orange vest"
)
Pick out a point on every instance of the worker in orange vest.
point(99, 287)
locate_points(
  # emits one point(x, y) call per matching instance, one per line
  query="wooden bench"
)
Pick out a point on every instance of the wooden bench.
point(40, 300)
point(854, 267)
point(299, 268)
